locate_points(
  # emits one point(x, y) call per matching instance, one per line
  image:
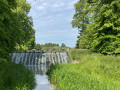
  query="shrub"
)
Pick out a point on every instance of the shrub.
point(15, 77)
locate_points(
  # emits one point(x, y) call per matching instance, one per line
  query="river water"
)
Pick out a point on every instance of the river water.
point(39, 63)
point(42, 81)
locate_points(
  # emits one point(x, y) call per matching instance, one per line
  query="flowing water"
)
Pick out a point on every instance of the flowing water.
point(39, 63)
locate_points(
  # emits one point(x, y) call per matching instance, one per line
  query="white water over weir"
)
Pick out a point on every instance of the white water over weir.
point(39, 62)
point(40, 58)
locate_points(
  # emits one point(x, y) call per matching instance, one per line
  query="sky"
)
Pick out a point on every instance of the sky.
point(52, 21)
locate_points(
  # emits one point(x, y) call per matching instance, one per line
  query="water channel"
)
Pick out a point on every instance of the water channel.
point(42, 82)
point(39, 63)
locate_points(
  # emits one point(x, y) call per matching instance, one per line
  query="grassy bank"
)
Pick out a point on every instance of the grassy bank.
point(15, 77)
point(93, 72)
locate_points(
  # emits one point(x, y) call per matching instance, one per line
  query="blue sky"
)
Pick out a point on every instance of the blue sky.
point(52, 21)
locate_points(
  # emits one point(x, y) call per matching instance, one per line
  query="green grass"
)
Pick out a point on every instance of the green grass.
point(15, 77)
point(77, 54)
point(94, 72)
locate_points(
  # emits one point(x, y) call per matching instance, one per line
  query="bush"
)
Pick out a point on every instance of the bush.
point(15, 77)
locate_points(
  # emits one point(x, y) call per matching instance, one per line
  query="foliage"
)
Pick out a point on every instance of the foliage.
point(51, 47)
point(38, 47)
point(15, 32)
point(106, 37)
point(102, 32)
point(15, 77)
point(94, 72)
point(26, 23)
point(50, 44)
point(63, 45)
point(80, 18)
point(15, 25)
point(7, 27)
point(21, 47)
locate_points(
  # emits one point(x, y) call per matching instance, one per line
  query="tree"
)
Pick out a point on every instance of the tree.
point(38, 47)
point(107, 29)
point(63, 45)
point(15, 25)
point(77, 43)
point(103, 31)
point(9, 27)
point(80, 18)
point(26, 23)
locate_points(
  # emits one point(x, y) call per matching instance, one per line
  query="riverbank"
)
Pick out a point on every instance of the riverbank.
point(94, 71)
point(15, 77)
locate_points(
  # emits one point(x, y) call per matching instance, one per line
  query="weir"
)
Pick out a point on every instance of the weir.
point(40, 58)
point(39, 63)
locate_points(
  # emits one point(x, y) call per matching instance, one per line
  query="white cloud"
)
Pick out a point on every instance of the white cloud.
point(57, 5)
point(40, 7)
point(29, 0)
point(45, 4)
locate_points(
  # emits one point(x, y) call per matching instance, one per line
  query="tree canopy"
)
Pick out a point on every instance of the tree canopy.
point(15, 26)
point(102, 33)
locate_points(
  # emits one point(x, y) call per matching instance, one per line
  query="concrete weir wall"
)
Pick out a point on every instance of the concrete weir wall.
point(40, 58)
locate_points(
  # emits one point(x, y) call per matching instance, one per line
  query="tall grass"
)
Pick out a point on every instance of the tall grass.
point(94, 72)
point(15, 77)
point(76, 54)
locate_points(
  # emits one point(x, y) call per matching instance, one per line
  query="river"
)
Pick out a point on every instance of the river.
point(39, 63)
point(42, 81)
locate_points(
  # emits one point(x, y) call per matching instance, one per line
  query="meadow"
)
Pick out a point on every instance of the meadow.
point(93, 72)
point(15, 76)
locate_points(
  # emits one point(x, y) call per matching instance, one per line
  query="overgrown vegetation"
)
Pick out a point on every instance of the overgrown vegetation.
point(16, 33)
point(15, 77)
point(93, 72)
point(99, 25)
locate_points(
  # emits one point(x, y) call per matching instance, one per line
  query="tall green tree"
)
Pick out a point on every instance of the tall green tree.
point(9, 27)
point(15, 25)
point(28, 33)
point(107, 27)
point(103, 33)
point(80, 19)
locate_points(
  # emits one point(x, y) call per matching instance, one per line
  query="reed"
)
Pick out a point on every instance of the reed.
point(93, 72)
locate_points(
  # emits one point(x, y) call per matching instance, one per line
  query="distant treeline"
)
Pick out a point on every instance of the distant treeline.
point(98, 22)
point(51, 47)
